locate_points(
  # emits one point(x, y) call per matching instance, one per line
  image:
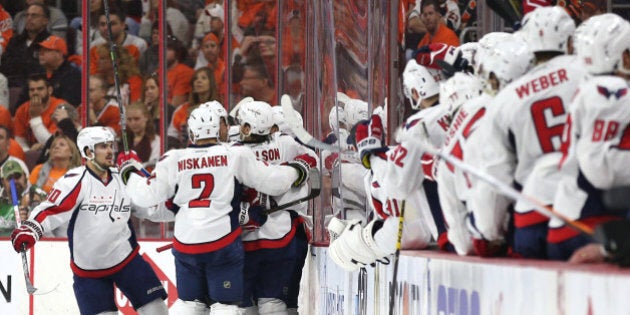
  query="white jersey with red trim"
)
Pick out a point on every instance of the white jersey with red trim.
point(453, 184)
point(280, 227)
point(204, 183)
point(524, 122)
point(401, 174)
point(348, 190)
point(417, 227)
point(597, 152)
point(98, 214)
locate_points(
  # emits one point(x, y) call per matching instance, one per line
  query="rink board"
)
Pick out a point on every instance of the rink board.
point(428, 283)
point(445, 284)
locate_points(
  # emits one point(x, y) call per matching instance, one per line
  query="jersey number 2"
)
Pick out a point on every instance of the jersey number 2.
point(203, 200)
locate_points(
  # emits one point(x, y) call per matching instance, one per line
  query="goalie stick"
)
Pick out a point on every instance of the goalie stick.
point(392, 292)
point(32, 290)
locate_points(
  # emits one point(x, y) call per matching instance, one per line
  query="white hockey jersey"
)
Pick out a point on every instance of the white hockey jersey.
point(453, 184)
point(205, 182)
point(98, 214)
point(524, 122)
point(596, 151)
point(280, 227)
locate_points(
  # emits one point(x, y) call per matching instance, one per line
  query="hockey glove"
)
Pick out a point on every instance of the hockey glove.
point(25, 236)
point(128, 167)
point(369, 137)
point(251, 217)
point(615, 236)
point(302, 164)
point(123, 157)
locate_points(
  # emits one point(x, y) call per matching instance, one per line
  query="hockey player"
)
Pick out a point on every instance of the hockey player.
point(597, 136)
point(275, 250)
point(224, 121)
point(204, 183)
point(499, 65)
point(101, 238)
point(523, 127)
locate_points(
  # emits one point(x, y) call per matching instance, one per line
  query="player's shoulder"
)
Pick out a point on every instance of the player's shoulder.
point(604, 90)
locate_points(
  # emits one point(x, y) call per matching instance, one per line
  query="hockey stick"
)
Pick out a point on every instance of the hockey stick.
point(362, 291)
point(392, 292)
point(121, 107)
point(315, 185)
point(298, 130)
point(27, 276)
point(507, 190)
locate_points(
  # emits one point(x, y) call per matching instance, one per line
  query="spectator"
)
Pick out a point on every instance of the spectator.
point(5, 150)
point(150, 59)
point(36, 111)
point(58, 23)
point(20, 58)
point(151, 99)
point(212, 59)
point(211, 20)
point(129, 79)
point(103, 110)
point(6, 29)
point(64, 155)
point(62, 75)
point(11, 170)
point(256, 83)
point(68, 124)
point(134, 44)
point(293, 45)
point(176, 22)
point(437, 31)
point(178, 74)
point(141, 133)
point(204, 90)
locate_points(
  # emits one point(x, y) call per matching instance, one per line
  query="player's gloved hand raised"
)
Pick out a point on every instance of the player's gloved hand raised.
point(303, 164)
point(369, 136)
point(251, 217)
point(25, 236)
point(128, 163)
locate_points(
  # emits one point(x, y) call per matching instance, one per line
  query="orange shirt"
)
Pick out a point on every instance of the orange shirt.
point(109, 116)
point(94, 57)
point(21, 126)
point(179, 80)
point(15, 149)
point(55, 173)
point(5, 118)
point(180, 118)
point(135, 88)
point(442, 35)
point(6, 27)
point(219, 78)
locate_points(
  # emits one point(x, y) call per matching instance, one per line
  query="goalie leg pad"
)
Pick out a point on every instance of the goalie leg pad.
point(335, 227)
point(381, 237)
point(349, 251)
point(271, 306)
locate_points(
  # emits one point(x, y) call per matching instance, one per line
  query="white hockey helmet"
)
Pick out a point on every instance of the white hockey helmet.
point(509, 60)
point(419, 78)
point(90, 136)
point(279, 119)
point(547, 29)
point(217, 108)
point(203, 123)
point(336, 116)
point(258, 115)
point(486, 46)
point(459, 89)
point(356, 110)
point(602, 44)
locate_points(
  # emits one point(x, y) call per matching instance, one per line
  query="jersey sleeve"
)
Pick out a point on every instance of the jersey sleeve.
point(62, 201)
point(152, 192)
point(269, 179)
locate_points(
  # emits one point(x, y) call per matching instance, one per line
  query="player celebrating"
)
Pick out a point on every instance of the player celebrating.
point(203, 182)
point(523, 127)
point(597, 136)
point(279, 244)
point(103, 244)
